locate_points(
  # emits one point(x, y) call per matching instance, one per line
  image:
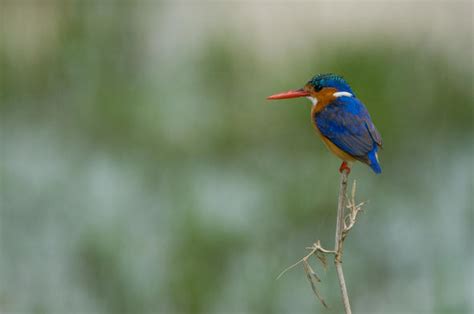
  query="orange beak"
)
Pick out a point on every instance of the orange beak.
point(289, 94)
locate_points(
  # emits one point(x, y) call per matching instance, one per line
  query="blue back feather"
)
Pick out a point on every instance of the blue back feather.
point(346, 122)
point(374, 163)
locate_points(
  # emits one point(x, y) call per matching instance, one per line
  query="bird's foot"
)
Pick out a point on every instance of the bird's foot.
point(344, 166)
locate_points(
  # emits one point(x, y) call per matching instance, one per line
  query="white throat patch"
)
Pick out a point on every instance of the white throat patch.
point(340, 94)
point(313, 100)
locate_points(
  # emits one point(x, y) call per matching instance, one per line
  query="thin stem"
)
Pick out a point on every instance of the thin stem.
point(343, 226)
point(339, 240)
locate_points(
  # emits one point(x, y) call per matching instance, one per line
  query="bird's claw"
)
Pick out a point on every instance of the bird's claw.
point(344, 166)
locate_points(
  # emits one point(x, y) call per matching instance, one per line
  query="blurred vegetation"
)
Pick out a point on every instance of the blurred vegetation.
point(137, 180)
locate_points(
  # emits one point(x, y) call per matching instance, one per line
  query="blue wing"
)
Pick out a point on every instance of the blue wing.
point(346, 122)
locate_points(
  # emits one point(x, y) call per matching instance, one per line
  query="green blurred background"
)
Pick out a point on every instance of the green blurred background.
point(143, 171)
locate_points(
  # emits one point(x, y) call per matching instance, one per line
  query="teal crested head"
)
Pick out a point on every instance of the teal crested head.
point(329, 80)
point(320, 87)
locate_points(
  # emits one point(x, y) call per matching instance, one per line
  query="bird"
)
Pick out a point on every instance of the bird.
point(341, 120)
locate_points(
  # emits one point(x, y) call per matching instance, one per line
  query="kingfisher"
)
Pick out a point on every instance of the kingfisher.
point(341, 120)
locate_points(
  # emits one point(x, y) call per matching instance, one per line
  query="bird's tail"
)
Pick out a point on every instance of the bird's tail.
point(374, 161)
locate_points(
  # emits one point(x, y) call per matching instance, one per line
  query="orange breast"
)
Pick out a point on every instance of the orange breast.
point(336, 150)
point(325, 97)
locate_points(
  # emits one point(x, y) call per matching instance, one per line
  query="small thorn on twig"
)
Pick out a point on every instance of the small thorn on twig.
point(344, 224)
point(311, 271)
point(313, 279)
point(319, 252)
point(354, 209)
point(322, 258)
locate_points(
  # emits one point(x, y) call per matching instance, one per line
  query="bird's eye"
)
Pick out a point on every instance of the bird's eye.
point(318, 87)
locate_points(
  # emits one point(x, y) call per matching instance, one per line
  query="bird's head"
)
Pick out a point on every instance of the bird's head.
point(322, 88)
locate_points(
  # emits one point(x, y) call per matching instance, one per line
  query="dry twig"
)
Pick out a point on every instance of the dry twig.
point(343, 225)
point(339, 241)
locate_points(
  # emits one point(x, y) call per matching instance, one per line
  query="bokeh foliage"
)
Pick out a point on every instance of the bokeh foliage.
point(142, 178)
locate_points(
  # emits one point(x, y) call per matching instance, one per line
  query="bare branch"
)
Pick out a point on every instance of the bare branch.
point(292, 266)
point(313, 278)
point(343, 225)
point(339, 239)
point(354, 210)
